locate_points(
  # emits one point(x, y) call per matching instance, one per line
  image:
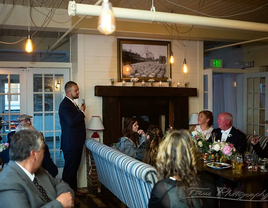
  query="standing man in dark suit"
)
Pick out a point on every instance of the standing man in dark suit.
point(226, 132)
point(24, 183)
point(73, 133)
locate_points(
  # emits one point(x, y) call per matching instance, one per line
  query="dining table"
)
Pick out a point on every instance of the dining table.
point(252, 180)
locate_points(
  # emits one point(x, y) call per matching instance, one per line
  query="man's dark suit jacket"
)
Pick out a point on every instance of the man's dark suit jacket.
point(72, 126)
point(17, 190)
point(47, 163)
point(236, 137)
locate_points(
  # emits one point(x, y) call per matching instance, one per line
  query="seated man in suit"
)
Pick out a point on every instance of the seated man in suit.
point(24, 183)
point(47, 163)
point(227, 133)
point(256, 146)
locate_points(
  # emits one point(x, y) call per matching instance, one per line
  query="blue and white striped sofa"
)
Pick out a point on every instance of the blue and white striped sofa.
point(130, 180)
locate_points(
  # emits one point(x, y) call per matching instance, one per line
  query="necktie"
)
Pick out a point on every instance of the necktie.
point(42, 190)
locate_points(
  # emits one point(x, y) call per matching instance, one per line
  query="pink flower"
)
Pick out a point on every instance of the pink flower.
point(227, 150)
point(7, 145)
point(231, 145)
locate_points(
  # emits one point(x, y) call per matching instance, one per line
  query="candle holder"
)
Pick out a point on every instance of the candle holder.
point(123, 83)
point(160, 84)
point(169, 80)
point(178, 84)
point(186, 84)
point(151, 81)
point(112, 81)
point(143, 83)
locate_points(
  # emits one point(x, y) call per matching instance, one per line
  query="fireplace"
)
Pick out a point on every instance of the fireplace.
point(162, 106)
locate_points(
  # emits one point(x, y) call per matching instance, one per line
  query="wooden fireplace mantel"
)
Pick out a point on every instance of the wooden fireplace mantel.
point(128, 101)
point(120, 91)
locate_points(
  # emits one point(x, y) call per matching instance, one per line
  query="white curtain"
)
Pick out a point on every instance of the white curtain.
point(227, 96)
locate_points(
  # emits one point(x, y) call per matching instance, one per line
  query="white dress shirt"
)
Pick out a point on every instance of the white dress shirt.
point(224, 134)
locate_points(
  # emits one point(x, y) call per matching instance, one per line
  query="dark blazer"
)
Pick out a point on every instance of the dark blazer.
point(17, 190)
point(236, 137)
point(261, 152)
point(72, 126)
point(47, 163)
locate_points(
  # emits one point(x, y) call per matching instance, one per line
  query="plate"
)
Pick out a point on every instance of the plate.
point(218, 165)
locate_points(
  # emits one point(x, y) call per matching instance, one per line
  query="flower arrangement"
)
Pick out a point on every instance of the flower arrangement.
point(3, 146)
point(134, 80)
point(112, 81)
point(151, 81)
point(200, 141)
point(169, 80)
point(224, 149)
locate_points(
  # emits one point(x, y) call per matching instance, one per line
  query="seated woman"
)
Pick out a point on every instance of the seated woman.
point(205, 122)
point(154, 136)
point(176, 164)
point(132, 141)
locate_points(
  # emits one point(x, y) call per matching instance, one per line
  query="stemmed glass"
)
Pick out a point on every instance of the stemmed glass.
point(248, 160)
point(214, 135)
point(263, 161)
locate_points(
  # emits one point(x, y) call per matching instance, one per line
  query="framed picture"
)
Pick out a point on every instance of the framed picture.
point(144, 59)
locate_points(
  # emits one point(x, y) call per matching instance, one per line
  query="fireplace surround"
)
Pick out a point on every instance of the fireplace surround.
point(127, 101)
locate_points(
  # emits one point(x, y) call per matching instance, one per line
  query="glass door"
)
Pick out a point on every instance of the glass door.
point(256, 101)
point(12, 99)
point(46, 91)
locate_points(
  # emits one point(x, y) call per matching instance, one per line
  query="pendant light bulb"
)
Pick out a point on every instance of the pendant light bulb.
point(185, 70)
point(171, 58)
point(29, 44)
point(106, 24)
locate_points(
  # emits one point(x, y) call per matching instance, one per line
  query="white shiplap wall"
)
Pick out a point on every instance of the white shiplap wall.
point(94, 59)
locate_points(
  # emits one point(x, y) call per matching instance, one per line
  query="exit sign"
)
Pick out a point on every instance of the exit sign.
point(216, 63)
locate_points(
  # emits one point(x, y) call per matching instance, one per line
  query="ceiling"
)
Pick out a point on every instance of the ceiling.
point(244, 10)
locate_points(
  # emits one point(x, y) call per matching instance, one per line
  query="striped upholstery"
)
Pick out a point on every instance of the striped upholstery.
point(262, 139)
point(127, 178)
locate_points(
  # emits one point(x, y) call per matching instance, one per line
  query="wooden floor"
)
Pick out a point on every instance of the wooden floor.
point(103, 199)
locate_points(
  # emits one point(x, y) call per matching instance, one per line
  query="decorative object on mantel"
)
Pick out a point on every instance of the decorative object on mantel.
point(160, 84)
point(186, 83)
point(151, 81)
point(134, 80)
point(95, 124)
point(112, 81)
point(179, 84)
point(143, 83)
point(169, 80)
point(123, 83)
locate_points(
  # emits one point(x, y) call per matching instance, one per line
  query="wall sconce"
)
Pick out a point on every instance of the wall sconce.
point(106, 24)
point(95, 125)
point(58, 84)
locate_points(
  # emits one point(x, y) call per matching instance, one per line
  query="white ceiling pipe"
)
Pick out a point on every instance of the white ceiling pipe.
point(82, 9)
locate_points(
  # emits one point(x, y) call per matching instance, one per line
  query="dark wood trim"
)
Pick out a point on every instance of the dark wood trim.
point(121, 91)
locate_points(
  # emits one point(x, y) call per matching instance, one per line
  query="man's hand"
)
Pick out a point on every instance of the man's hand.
point(66, 199)
point(83, 107)
point(254, 140)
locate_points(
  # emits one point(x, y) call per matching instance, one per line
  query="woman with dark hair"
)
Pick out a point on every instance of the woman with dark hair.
point(205, 123)
point(132, 141)
point(154, 136)
point(179, 183)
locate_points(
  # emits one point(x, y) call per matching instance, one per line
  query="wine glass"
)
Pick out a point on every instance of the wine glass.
point(214, 135)
point(248, 160)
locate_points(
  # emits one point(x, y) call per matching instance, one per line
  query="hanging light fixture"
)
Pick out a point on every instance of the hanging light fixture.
point(185, 70)
point(171, 58)
point(106, 23)
point(29, 44)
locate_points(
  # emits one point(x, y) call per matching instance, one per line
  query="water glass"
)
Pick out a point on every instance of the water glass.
point(263, 161)
point(248, 160)
point(238, 164)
